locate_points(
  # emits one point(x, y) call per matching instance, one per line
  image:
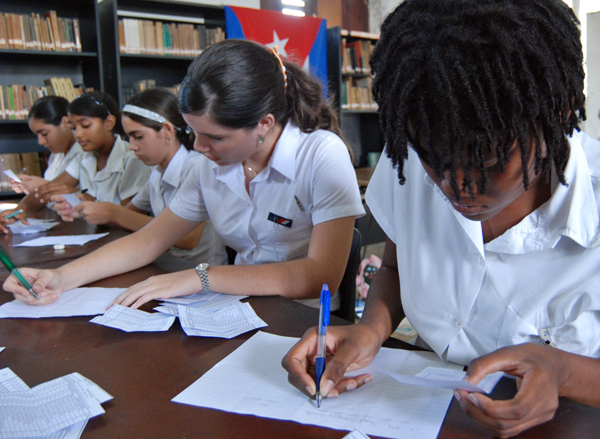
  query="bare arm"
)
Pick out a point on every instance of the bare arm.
point(126, 254)
point(328, 252)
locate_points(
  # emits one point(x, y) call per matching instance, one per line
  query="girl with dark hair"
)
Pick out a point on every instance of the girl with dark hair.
point(160, 138)
point(107, 169)
point(48, 120)
point(275, 178)
point(490, 200)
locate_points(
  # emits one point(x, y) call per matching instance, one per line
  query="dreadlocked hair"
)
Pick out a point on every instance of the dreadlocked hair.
point(472, 77)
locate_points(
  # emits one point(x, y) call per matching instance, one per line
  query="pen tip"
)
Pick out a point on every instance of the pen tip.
point(319, 400)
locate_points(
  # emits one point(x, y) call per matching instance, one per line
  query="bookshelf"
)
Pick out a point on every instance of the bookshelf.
point(126, 67)
point(31, 66)
point(347, 66)
point(349, 89)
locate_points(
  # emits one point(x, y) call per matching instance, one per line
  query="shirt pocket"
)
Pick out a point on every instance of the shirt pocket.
point(290, 242)
point(575, 336)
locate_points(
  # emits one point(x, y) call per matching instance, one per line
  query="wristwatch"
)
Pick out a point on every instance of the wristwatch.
point(201, 269)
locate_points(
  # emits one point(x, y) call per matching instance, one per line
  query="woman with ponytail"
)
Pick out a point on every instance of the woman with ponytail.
point(160, 138)
point(275, 179)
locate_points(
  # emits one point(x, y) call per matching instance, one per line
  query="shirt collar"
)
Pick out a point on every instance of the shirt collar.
point(283, 159)
point(115, 161)
point(172, 175)
point(571, 211)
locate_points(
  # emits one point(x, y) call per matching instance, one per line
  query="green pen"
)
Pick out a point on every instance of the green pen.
point(10, 265)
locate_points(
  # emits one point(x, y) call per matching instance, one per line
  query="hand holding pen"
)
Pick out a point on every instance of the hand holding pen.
point(320, 362)
point(10, 266)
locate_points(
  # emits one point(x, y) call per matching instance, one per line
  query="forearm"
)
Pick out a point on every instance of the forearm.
point(30, 204)
point(129, 219)
point(383, 309)
point(120, 256)
point(580, 378)
point(300, 279)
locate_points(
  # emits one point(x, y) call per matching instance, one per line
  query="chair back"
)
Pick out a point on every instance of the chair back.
point(347, 289)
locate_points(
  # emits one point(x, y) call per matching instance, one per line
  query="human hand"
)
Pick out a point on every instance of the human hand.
point(45, 192)
point(165, 286)
point(353, 347)
point(64, 208)
point(28, 183)
point(538, 370)
point(95, 212)
point(4, 221)
point(45, 283)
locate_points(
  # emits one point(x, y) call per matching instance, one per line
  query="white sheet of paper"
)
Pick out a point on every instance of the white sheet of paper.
point(134, 320)
point(48, 407)
point(252, 381)
point(71, 199)
point(227, 322)
point(1, 349)
point(214, 301)
point(447, 379)
point(62, 239)
point(356, 434)
point(10, 382)
point(75, 302)
point(11, 174)
point(35, 226)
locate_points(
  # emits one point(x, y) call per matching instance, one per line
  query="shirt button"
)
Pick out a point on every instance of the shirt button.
point(457, 322)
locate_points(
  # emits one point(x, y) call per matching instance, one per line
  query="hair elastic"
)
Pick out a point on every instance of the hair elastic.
point(133, 109)
point(95, 101)
point(274, 49)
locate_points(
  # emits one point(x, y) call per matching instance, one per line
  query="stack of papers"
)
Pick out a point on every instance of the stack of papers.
point(63, 239)
point(227, 322)
point(59, 408)
point(35, 226)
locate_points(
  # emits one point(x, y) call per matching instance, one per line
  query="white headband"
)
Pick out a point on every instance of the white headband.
point(144, 113)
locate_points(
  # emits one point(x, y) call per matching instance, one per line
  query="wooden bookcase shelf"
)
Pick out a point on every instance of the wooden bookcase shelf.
point(122, 70)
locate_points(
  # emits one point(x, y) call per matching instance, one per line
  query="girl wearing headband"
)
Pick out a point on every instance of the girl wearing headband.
point(275, 178)
point(106, 168)
point(160, 138)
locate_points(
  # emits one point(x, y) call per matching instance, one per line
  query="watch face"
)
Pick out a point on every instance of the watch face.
point(203, 266)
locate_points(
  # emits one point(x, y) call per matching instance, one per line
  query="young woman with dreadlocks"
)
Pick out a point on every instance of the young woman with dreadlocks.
point(490, 201)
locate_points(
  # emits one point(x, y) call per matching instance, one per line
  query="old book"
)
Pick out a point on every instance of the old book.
point(77, 35)
point(3, 32)
point(55, 32)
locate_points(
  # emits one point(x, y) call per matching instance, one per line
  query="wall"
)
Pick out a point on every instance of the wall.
point(592, 125)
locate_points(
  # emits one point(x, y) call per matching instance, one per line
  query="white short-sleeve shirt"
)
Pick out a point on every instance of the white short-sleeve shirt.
point(309, 180)
point(158, 192)
point(57, 163)
point(466, 298)
point(122, 178)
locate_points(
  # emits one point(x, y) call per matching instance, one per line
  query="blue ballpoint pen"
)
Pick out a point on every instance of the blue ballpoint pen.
point(323, 323)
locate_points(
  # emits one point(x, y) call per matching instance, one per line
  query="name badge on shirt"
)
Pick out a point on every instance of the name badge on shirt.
point(280, 220)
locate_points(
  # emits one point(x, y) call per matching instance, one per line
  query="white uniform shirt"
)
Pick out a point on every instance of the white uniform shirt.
point(158, 192)
point(466, 299)
point(57, 163)
point(309, 180)
point(122, 178)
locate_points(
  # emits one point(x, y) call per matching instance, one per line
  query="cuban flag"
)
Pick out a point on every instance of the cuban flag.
point(302, 40)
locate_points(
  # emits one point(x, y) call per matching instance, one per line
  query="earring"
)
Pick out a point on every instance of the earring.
point(168, 141)
point(261, 139)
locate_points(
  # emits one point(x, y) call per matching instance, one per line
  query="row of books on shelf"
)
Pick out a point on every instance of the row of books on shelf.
point(355, 56)
point(46, 32)
point(17, 99)
point(158, 38)
point(355, 94)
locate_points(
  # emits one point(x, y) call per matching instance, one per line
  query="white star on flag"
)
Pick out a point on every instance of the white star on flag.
point(279, 43)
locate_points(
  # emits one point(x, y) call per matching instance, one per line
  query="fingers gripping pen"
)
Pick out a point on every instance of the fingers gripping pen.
point(10, 266)
point(323, 323)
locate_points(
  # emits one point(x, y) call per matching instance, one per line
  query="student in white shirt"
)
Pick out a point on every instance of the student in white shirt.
point(107, 169)
point(493, 248)
point(276, 180)
point(160, 138)
point(49, 121)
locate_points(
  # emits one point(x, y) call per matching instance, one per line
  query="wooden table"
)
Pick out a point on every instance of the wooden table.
point(144, 371)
